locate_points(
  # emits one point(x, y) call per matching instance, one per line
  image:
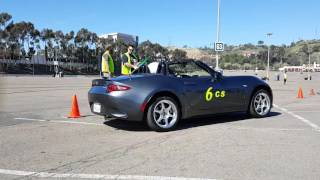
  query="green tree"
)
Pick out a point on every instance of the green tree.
point(35, 41)
point(15, 38)
point(4, 35)
point(20, 33)
point(304, 49)
point(82, 39)
point(47, 35)
point(59, 40)
point(153, 51)
point(263, 55)
point(29, 32)
point(316, 48)
point(178, 54)
point(247, 66)
point(4, 18)
point(68, 48)
point(281, 54)
point(85, 41)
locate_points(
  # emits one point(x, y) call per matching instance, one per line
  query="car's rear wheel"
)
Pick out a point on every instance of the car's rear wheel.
point(260, 104)
point(163, 114)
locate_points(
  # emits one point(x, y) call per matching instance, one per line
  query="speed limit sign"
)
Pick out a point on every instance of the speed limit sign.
point(218, 46)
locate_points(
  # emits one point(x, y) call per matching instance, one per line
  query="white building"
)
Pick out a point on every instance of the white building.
point(126, 38)
point(304, 68)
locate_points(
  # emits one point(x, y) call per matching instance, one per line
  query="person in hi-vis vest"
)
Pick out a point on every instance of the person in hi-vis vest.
point(128, 62)
point(107, 65)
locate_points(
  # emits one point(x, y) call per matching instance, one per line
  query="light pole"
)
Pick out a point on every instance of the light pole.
point(268, 65)
point(32, 59)
point(218, 35)
point(309, 67)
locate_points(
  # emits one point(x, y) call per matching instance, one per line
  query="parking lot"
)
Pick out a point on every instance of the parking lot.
point(38, 141)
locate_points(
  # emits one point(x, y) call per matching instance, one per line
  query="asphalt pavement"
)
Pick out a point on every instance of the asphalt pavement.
point(38, 141)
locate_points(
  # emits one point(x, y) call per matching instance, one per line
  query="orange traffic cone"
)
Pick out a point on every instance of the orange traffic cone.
point(300, 93)
point(75, 113)
point(312, 93)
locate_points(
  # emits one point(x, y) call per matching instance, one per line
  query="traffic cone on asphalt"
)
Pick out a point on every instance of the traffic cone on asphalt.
point(300, 93)
point(312, 93)
point(75, 113)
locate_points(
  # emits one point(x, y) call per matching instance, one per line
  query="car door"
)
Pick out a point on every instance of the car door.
point(212, 95)
point(235, 93)
point(194, 94)
point(228, 95)
point(203, 92)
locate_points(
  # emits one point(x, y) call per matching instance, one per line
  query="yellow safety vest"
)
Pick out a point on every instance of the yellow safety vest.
point(107, 67)
point(124, 69)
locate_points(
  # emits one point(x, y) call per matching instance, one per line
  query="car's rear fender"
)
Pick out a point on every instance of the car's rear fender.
point(121, 102)
point(161, 93)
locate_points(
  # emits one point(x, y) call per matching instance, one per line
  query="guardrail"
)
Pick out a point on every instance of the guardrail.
point(48, 63)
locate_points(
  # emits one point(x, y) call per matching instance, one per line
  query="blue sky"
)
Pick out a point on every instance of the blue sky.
point(177, 22)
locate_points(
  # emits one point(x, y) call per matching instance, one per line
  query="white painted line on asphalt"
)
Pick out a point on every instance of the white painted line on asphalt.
point(306, 121)
point(96, 124)
point(91, 176)
point(267, 129)
point(307, 111)
point(56, 121)
point(298, 105)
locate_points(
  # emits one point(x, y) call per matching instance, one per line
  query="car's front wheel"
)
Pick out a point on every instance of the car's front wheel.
point(260, 104)
point(163, 114)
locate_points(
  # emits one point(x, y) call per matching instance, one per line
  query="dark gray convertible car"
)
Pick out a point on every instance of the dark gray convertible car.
point(172, 91)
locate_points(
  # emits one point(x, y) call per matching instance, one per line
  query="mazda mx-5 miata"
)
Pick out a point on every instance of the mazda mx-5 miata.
point(167, 92)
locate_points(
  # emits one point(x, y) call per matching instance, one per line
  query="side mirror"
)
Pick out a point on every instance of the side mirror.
point(217, 77)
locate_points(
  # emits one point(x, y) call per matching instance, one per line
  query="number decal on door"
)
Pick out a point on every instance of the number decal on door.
point(210, 95)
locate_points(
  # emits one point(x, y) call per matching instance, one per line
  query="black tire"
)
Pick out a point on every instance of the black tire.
point(253, 112)
point(158, 125)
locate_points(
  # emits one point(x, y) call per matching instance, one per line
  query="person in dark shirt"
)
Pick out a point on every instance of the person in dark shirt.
point(129, 61)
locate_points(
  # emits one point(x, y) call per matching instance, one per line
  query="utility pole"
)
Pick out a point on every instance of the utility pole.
point(309, 67)
point(218, 35)
point(268, 65)
point(32, 59)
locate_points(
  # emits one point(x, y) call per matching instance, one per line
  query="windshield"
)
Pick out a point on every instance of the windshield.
point(187, 69)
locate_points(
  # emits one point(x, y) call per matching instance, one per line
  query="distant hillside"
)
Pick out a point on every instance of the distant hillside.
point(197, 53)
point(250, 56)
